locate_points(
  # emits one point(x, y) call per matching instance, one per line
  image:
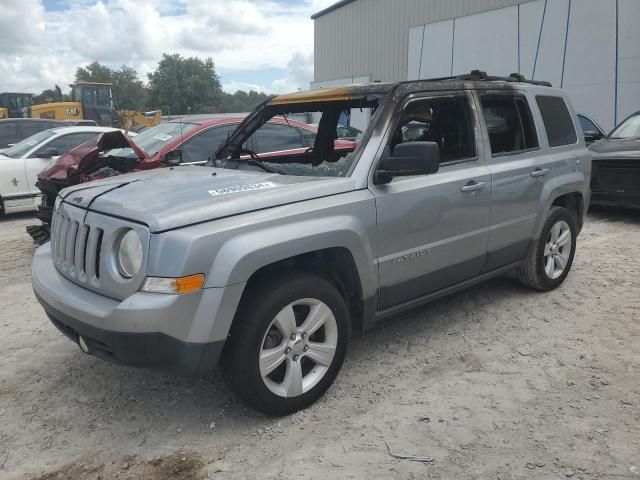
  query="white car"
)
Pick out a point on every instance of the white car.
point(21, 163)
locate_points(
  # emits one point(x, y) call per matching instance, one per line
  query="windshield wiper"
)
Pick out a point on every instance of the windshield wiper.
point(264, 167)
point(254, 163)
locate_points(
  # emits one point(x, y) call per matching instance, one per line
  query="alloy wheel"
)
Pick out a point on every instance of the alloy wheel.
point(298, 347)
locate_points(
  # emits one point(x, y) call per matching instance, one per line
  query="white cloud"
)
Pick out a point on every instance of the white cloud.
point(300, 73)
point(38, 48)
point(233, 86)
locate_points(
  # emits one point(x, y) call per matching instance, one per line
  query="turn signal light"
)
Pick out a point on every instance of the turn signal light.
point(174, 286)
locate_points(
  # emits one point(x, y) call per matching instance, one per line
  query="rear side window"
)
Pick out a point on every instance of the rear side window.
point(509, 124)
point(275, 137)
point(557, 121)
point(31, 128)
point(8, 133)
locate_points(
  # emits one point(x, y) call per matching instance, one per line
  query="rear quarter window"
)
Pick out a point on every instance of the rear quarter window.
point(557, 121)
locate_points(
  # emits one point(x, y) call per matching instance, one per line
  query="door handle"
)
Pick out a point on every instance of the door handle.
point(473, 186)
point(539, 172)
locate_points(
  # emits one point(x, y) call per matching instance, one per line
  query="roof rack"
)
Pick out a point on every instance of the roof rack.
point(480, 76)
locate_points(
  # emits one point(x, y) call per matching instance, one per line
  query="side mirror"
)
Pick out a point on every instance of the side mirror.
point(48, 153)
point(591, 136)
point(411, 158)
point(173, 158)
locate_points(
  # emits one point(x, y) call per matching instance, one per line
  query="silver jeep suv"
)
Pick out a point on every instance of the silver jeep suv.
point(268, 258)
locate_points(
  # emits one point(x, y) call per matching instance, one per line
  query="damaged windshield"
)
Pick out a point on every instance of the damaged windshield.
point(154, 139)
point(288, 146)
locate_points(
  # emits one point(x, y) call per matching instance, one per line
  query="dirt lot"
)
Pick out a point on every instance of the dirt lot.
point(496, 383)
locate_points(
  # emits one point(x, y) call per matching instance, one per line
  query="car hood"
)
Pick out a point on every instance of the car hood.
point(621, 149)
point(82, 158)
point(166, 199)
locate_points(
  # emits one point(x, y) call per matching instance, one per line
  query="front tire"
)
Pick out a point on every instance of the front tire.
point(287, 343)
point(550, 260)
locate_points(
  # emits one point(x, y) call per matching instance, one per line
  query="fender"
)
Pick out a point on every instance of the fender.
point(572, 182)
point(243, 255)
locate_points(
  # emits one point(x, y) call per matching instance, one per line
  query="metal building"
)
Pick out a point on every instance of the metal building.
point(589, 47)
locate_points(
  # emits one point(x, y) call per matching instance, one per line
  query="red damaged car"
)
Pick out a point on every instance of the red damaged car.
point(189, 141)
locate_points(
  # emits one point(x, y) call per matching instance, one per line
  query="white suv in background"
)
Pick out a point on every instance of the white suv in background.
point(21, 163)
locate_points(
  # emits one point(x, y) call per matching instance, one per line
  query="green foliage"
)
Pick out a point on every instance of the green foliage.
point(128, 90)
point(241, 101)
point(179, 86)
point(94, 72)
point(48, 96)
point(185, 85)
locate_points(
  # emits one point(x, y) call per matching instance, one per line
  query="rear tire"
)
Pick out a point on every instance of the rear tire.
point(287, 343)
point(550, 260)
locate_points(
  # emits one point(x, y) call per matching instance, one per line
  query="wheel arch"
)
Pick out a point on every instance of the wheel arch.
point(336, 265)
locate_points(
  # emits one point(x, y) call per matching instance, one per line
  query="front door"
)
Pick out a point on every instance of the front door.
point(432, 230)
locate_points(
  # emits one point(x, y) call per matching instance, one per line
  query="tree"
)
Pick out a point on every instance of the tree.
point(48, 96)
point(128, 90)
point(182, 85)
point(241, 101)
point(94, 72)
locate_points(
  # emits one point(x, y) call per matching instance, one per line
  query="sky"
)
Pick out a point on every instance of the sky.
point(261, 45)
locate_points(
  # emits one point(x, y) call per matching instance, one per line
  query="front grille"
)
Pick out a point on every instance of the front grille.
point(75, 248)
point(620, 178)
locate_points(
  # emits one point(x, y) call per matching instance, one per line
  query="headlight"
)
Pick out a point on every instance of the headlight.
point(129, 254)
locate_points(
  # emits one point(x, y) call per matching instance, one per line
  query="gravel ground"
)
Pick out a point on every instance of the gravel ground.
point(498, 382)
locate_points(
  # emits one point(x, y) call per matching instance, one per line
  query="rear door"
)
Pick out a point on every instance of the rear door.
point(432, 230)
point(519, 170)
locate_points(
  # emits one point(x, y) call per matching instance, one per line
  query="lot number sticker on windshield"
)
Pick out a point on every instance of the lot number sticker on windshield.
point(241, 188)
point(163, 137)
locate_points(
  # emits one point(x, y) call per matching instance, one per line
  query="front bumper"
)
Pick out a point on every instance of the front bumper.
point(179, 333)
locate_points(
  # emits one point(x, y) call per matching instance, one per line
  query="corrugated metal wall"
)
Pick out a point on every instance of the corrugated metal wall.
point(369, 37)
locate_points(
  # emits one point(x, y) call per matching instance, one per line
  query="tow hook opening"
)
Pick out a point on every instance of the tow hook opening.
point(83, 344)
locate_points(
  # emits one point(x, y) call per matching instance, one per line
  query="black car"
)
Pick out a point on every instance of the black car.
point(14, 130)
point(615, 174)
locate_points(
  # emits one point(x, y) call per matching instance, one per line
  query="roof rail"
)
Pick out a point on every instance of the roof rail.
point(479, 75)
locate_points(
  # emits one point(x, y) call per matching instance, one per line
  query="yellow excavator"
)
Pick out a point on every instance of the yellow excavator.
point(13, 104)
point(94, 101)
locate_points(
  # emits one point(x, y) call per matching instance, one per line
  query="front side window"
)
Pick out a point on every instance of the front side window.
point(65, 143)
point(587, 125)
point(557, 121)
point(20, 149)
point(509, 124)
point(446, 121)
point(629, 129)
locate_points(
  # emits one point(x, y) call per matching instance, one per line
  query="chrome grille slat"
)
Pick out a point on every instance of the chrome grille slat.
point(62, 236)
point(80, 252)
point(69, 254)
point(92, 251)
